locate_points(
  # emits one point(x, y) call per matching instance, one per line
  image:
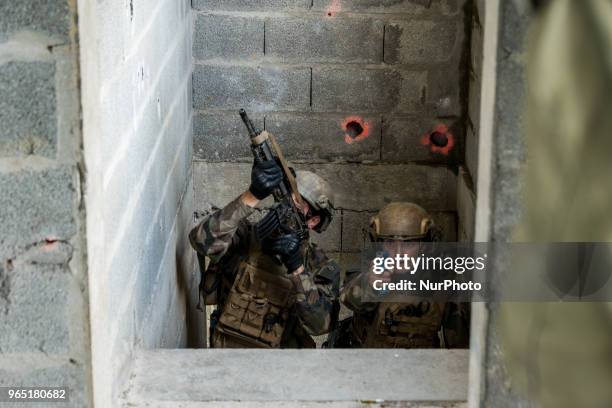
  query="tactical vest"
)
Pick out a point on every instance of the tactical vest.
point(256, 311)
point(400, 325)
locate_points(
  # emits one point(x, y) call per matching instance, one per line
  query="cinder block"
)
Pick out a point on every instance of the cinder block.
point(367, 90)
point(423, 41)
point(476, 50)
point(223, 136)
point(410, 7)
point(250, 5)
point(37, 315)
point(36, 205)
point(48, 17)
point(466, 206)
point(354, 229)
point(475, 89)
point(471, 153)
point(27, 109)
point(401, 140)
point(323, 137)
point(342, 40)
point(48, 252)
point(444, 90)
point(254, 88)
point(71, 372)
point(216, 184)
point(356, 187)
point(227, 37)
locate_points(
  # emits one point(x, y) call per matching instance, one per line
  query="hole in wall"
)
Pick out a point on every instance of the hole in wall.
point(438, 139)
point(354, 129)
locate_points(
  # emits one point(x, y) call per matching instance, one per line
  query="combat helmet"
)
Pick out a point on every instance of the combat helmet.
point(401, 221)
point(318, 193)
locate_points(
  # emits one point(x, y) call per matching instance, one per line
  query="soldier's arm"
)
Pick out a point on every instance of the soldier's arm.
point(352, 293)
point(219, 231)
point(317, 301)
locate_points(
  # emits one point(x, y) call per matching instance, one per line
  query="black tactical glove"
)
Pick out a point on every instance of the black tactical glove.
point(287, 246)
point(265, 176)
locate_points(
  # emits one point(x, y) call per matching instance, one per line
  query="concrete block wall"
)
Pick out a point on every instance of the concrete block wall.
point(137, 101)
point(44, 307)
point(468, 173)
point(508, 162)
point(475, 87)
point(304, 69)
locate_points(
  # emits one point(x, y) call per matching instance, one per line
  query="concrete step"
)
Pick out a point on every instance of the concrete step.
point(191, 378)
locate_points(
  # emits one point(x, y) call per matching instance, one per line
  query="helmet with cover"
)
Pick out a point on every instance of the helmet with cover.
point(402, 221)
point(318, 194)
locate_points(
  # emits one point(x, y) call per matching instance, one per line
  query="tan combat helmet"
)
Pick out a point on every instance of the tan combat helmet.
point(401, 221)
point(318, 193)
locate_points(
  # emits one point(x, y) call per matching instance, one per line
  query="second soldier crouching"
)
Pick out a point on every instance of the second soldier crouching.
point(276, 293)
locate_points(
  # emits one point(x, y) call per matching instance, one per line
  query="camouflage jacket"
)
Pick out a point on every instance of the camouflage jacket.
point(226, 237)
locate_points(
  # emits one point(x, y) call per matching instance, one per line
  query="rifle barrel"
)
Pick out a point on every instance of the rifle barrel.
point(249, 125)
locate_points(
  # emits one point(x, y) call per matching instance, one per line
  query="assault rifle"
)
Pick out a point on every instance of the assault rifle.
point(285, 216)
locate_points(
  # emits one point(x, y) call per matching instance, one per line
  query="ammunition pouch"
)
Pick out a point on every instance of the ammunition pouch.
point(256, 312)
point(401, 325)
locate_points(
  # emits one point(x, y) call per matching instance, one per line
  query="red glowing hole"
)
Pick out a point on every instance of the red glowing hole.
point(440, 140)
point(355, 129)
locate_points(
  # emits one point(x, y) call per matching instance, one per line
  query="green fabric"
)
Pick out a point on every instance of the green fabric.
point(562, 353)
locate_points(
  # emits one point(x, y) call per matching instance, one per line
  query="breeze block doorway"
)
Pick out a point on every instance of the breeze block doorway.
point(357, 91)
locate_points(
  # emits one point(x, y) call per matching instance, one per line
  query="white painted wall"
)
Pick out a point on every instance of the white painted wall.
point(136, 75)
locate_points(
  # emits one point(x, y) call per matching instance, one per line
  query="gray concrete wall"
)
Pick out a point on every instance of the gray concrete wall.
point(137, 70)
point(475, 89)
point(467, 180)
point(302, 69)
point(502, 157)
point(44, 307)
point(508, 156)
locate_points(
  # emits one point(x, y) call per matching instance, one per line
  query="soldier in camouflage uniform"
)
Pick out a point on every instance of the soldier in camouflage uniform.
point(400, 227)
point(270, 294)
